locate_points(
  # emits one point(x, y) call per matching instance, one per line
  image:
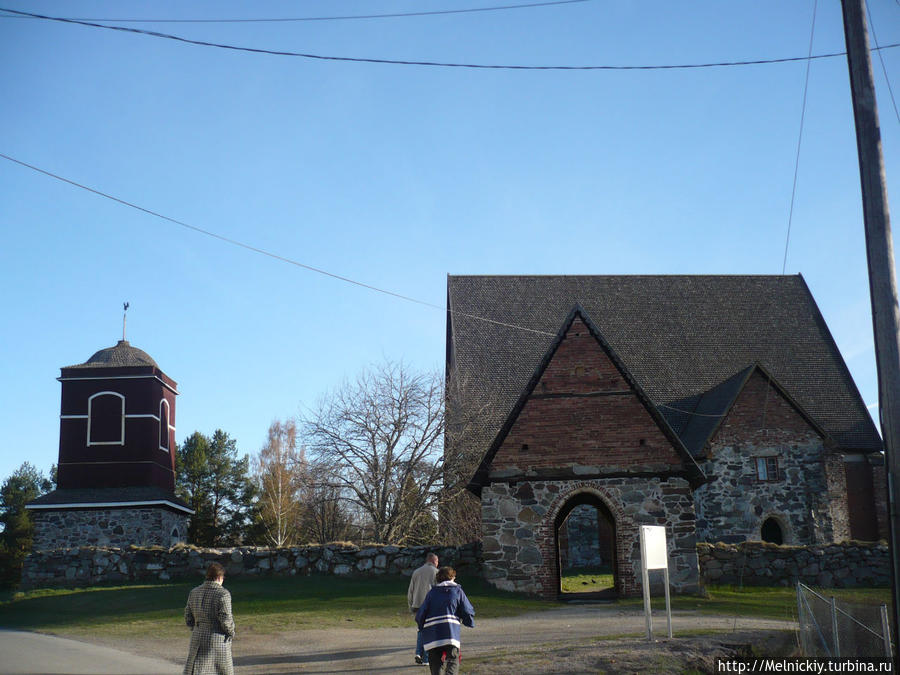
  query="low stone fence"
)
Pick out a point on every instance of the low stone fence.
point(754, 563)
point(98, 565)
point(749, 564)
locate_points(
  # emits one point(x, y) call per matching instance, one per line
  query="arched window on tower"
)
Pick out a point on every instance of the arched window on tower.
point(164, 425)
point(106, 419)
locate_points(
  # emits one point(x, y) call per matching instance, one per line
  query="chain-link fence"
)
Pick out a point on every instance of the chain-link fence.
point(834, 628)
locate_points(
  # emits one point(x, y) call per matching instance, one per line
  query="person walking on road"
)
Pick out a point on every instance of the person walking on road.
point(446, 607)
point(208, 615)
point(419, 584)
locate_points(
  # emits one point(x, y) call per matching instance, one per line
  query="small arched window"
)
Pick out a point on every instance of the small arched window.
point(106, 419)
point(164, 425)
point(771, 531)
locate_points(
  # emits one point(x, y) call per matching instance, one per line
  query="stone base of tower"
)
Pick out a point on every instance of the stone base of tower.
point(117, 526)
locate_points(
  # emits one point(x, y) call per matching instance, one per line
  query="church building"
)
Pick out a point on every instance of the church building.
point(116, 469)
point(716, 406)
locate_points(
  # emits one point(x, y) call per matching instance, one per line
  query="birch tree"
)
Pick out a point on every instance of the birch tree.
point(279, 468)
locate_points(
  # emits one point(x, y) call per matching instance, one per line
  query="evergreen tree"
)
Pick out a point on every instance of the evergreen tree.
point(216, 483)
point(25, 484)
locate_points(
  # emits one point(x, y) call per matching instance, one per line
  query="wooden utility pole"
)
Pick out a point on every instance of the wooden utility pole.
point(880, 254)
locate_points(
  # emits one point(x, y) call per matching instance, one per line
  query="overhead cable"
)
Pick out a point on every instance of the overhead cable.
point(395, 15)
point(440, 64)
point(883, 67)
point(270, 254)
point(787, 240)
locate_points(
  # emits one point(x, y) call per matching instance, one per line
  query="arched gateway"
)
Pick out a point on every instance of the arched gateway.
point(586, 546)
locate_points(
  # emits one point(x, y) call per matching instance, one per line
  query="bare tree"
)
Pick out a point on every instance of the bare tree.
point(325, 518)
point(279, 469)
point(468, 419)
point(381, 437)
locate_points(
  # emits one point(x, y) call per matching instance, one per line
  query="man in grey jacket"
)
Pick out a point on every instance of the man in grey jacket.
point(419, 584)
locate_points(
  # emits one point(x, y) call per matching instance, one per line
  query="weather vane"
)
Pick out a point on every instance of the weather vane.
point(124, 318)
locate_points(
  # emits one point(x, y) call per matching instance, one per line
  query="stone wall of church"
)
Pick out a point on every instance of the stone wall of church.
point(732, 507)
point(519, 524)
point(581, 543)
point(139, 526)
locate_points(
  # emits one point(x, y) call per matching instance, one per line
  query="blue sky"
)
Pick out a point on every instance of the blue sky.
point(396, 176)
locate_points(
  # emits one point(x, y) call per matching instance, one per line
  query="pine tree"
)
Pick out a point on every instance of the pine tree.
point(217, 485)
point(24, 485)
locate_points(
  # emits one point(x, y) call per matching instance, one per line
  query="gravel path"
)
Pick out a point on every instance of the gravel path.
point(390, 650)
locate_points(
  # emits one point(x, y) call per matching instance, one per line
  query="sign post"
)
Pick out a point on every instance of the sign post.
point(654, 557)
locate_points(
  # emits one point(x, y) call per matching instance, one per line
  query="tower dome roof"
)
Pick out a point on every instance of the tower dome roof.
point(121, 355)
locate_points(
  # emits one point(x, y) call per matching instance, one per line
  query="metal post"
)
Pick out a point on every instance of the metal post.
point(668, 602)
point(886, 631)
point(880, 256)
point(645, 577)
point(834, 630)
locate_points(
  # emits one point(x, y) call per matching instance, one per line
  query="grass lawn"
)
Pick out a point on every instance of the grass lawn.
point(586, 579)
point(264, 605)
point(269, 605)
point(769, 602)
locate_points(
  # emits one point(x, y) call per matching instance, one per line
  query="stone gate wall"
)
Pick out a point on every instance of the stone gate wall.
point(842, 565)
point(754, 563)
point(98, 565)
point(519, 525)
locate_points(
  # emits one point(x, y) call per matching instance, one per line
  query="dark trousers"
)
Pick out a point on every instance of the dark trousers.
point(450, 665)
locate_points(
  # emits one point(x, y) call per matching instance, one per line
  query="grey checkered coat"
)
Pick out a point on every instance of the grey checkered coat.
point(208, 615)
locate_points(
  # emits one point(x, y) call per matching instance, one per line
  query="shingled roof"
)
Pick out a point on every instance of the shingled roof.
point(687, 341)
point(123, 354)
point(105, 497)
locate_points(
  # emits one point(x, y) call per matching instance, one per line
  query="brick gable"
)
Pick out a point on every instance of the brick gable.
point(761, 412)
point(583, 411)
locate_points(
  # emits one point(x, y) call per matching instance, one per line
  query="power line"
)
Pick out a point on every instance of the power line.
point(441, 64)
point(787, 241)
point(326, 18)
point(254, 249)
point(883, 67)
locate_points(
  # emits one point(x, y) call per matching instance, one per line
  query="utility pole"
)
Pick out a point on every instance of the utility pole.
point(880, 254)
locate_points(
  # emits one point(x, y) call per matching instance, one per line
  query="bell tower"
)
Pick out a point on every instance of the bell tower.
point(116, 470)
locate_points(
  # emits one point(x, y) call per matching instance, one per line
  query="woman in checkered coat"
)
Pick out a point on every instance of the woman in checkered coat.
point(208, 615)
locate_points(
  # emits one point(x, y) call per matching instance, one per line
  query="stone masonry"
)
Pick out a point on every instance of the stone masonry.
point(96, 565)
point(753, 563)
point(70, 528)
point(520, 521)
point(733, 506)
point(580, 540)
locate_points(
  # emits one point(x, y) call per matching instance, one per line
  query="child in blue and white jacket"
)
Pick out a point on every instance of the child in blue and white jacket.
point(445, 608)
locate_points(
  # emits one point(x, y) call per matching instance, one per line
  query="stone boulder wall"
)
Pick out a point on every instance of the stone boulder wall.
point(100, 565)
point(753, 563)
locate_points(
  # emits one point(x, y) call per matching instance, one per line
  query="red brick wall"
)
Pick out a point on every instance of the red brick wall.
point(762, 414)
point(561, 426)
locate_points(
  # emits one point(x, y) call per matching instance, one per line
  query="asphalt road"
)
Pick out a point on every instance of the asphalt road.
point(35, 654)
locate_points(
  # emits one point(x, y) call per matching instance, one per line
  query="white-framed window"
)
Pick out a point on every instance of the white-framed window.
point(106, 419)
point(767, 469)
point(164, 425)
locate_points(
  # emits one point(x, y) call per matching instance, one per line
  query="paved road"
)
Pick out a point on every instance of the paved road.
point(35, 654)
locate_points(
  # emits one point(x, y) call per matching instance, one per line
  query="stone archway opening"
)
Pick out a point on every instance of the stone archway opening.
point(771, 531)
point(585, 534)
